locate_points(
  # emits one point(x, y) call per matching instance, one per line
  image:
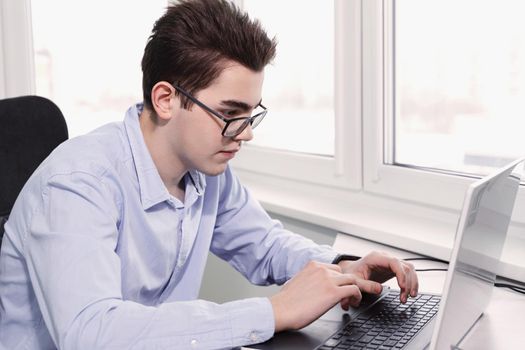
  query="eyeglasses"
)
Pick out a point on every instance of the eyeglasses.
point(233, 126)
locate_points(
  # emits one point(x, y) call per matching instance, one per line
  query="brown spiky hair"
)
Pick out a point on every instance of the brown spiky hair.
point(190, 44)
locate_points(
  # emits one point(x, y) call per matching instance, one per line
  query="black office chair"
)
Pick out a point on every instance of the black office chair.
point(30, 128)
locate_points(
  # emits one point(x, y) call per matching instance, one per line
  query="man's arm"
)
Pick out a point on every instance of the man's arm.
point(76, 276)
point(264, 252)
point(254, 244)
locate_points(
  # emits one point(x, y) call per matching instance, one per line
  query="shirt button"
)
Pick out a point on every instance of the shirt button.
point(253, 336)
point(193, 343)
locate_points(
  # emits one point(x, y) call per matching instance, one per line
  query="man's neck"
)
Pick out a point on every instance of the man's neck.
point(178, 191)
point(170, 168)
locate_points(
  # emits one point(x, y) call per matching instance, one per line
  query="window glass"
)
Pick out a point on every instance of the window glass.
point(299, 85)
point(87, 56)
point(459, 77)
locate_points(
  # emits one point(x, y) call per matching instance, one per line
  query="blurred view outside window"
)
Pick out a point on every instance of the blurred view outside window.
point(459, 83)
point(299, 85)
point(87, 61)
point(87, 56)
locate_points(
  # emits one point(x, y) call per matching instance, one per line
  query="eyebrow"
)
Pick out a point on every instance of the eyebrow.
point(239, 104)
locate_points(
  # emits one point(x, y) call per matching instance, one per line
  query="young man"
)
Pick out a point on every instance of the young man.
point(106, 245)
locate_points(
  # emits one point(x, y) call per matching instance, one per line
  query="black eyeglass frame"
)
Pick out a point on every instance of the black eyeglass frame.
point(247, 120)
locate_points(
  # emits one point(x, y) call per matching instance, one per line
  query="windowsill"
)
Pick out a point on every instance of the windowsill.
point(422, 230)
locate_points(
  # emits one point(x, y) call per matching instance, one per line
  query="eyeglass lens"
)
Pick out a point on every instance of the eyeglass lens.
point(236, 127)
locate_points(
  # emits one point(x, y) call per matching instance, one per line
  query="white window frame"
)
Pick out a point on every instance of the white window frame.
point(378, 84)
point(17, 69)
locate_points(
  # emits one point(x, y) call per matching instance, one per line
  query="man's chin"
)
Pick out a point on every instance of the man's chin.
point(214, 171)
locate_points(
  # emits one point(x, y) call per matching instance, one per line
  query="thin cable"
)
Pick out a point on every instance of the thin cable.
point(426, 258)
point(510, 286)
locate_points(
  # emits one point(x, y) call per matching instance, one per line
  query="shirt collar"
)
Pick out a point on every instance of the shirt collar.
point(198, 181)
point(152, 189)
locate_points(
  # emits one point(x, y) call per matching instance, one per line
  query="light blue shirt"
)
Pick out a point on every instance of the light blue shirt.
point(98, 255)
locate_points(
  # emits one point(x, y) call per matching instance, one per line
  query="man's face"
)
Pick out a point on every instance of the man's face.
point(197, 139)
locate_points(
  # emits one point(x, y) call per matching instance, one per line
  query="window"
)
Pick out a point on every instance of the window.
point(299, 85)
point(459, 84)
point(88, 60)
point(437, 99)
point(313, 128)
point(409, 79)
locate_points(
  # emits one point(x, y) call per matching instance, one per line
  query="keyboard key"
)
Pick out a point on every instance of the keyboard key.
point(355, 335)
point(366, 339)
point(390, 342)
point(332, 342)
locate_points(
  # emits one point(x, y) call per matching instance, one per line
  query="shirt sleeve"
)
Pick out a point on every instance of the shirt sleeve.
point(75, 275)
point(254, 244)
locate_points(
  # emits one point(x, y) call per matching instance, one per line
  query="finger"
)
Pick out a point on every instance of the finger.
point(345, 303)
point(333, 267)
point(408, 283)
point(403, 278)
point(369, 286)
point(397, 268)
point(352, 293)
point(345, 279)
point(412, 284)
point(415, 288)
point(414, 280)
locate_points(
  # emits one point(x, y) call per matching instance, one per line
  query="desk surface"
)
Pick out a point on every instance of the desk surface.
point(501, 327)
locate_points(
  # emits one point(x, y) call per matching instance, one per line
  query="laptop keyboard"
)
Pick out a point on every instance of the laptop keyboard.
point(387, 325)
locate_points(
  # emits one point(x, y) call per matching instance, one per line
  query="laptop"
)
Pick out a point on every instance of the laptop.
point(429, 321)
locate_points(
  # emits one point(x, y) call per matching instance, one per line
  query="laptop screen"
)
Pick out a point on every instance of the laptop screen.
point(480, 237)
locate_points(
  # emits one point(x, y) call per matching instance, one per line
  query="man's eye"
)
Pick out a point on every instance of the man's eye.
point(231, 112)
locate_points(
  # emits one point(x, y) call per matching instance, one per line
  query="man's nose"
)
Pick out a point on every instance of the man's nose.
point(245, 135)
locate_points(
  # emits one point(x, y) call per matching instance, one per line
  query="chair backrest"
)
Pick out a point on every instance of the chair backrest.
point(30, 128)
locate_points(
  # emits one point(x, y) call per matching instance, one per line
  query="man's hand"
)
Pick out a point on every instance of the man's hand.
point(313, 291)
point(381, 267)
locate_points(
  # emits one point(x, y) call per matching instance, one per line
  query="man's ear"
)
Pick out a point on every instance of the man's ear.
point(163, 99)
